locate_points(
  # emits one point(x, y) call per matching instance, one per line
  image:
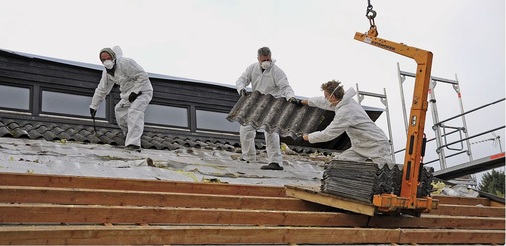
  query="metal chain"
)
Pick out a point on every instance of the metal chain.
point(370, 14)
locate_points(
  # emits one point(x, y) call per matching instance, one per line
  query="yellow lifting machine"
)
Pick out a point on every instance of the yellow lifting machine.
point(408, 201)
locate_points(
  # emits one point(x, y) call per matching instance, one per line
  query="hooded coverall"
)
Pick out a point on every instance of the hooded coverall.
point(131, 78)
point(368, 141)
point(270, 81)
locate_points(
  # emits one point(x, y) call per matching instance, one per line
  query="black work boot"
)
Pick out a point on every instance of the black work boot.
point(272, 166)
point(134, 147)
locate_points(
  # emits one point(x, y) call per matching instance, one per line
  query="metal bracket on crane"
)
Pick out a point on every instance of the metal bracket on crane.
point(386, 203)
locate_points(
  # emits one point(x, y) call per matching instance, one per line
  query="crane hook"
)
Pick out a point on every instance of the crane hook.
point(371, 14)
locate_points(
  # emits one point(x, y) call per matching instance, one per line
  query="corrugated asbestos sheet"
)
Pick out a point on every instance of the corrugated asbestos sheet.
point(52, 131)
point(150, 140)
point(276, 115)
point(361, 180)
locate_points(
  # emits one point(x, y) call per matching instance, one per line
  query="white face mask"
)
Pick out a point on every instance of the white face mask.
point(266, 64)
point(108, 64)
point(332, 95)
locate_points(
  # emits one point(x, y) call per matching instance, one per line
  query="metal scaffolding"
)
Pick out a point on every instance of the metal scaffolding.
point(441, 129)
point(383, 97)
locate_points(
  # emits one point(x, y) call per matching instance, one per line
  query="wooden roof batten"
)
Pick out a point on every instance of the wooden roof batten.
point(55, 209)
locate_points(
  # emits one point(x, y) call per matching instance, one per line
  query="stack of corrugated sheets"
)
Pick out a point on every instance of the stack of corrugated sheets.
point(361, 180)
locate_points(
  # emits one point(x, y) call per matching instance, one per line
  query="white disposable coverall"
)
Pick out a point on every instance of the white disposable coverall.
point(131, 78)
point(270, 81)
point(368, 141)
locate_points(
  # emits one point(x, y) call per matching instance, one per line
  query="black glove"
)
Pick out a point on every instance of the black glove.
point(133, 96)
point(295, 100)
point(93, 112)
point(299, 139)
point(244, 92)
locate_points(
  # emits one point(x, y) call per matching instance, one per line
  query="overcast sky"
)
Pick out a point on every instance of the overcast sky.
point(312, 41)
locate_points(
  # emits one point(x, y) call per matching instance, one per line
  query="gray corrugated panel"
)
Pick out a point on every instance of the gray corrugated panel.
point(361, 180)
point(20, 133)
point(55, 131)
point(4, 130)
point(16, 130)
point(51, 131)
point(77, 137)
point(425, 177)
point(275, 115)
point(34, 134)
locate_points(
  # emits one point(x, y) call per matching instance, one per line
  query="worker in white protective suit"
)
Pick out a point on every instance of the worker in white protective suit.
point(368, 141)
point(267, 78)
point(135, 92)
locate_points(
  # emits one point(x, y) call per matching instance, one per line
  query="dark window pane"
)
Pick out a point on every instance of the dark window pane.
point(63, 103)
point(166, 115)
point(215, 121)
point(14, 97)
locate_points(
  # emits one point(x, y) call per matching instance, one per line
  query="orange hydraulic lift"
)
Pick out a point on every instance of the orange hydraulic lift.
point(407, 202)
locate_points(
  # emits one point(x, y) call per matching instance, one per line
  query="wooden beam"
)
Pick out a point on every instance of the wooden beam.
point(22, 194)
point(239, 235)
point(496, 204)
point(79, 214)
point(467, 210)
point(309, 194)
point(45, 180)
point(449, 236)
point(462, 200)
point(436, 221)
point(193, 235)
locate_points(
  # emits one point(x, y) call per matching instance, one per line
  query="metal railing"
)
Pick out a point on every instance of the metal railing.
point(439, 127)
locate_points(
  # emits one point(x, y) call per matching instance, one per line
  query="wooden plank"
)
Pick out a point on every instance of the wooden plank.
point(437, 221)
point(466, 210)
point(494, 200)
point(462, 200)
point(239, 235)
point(193, 235)
point(45, 180)
point(79, 214)
point(496, 204)
point(312, 195)
point(452, 236)
point(21, 194)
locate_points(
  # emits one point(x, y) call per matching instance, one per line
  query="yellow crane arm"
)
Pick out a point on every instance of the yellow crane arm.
point(414, 144)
